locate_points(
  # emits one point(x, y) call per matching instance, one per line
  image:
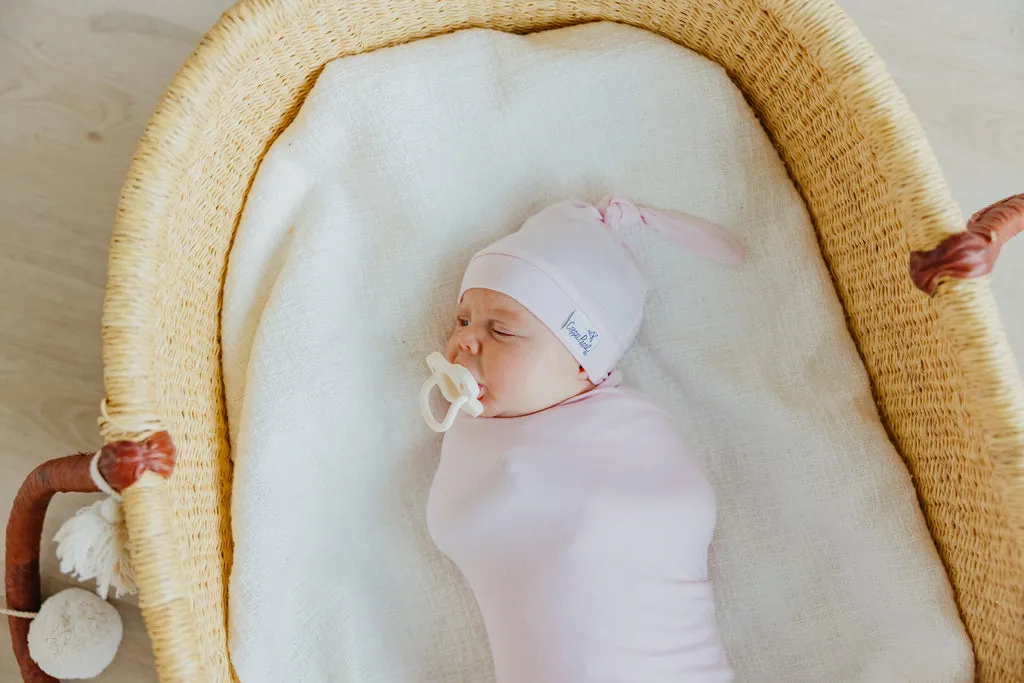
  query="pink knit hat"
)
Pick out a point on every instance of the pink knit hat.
point(569, 267)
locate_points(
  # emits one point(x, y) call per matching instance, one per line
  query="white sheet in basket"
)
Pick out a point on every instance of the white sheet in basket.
point(400, 165)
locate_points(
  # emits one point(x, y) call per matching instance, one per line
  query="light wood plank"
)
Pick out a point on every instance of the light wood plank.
point(78, 79)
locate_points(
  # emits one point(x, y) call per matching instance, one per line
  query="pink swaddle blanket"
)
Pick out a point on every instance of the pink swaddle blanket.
point(583, 531)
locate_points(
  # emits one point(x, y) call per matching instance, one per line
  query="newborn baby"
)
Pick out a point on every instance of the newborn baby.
point(572, 506)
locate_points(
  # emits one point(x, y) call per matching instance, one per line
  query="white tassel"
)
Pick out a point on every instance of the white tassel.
point(94, 544)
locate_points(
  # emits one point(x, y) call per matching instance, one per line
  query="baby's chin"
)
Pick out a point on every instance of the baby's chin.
point(491, 409)
point(494, 408)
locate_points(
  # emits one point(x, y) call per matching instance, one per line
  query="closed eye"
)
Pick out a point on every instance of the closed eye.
point(500, 333)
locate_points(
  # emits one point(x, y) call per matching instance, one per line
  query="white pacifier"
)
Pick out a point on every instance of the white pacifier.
point(457, 385)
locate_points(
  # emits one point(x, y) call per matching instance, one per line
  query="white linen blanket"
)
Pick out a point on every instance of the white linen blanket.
point(343, 277)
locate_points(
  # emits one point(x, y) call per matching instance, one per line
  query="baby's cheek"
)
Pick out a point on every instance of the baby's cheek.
point(451, 349)
point(499, 372)
point(492, 371)
point(524, 378)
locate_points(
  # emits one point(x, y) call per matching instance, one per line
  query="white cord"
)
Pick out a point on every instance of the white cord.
point(150, 426)
point(15, 613)
point(97, 478)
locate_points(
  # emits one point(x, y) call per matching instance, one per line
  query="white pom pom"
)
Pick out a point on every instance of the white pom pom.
point(94, 544)
point(75, 635)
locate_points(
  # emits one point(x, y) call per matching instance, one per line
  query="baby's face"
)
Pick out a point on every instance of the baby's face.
point(520, 365)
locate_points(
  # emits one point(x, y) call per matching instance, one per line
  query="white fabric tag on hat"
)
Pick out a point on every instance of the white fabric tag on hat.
point(579, 332)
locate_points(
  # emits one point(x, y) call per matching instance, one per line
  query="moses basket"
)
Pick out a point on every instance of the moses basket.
point(943, 376)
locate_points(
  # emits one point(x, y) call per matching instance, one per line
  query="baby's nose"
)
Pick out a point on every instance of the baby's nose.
point(468, 340)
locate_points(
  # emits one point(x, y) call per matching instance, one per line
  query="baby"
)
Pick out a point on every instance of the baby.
point(580, 519)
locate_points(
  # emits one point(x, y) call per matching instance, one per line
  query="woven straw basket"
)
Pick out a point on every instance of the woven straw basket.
point(944, 379)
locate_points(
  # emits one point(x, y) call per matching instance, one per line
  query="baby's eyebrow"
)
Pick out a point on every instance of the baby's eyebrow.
point(506, 316)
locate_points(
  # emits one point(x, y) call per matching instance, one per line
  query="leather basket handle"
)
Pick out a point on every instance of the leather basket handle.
point(971, 253)
point(24, 531)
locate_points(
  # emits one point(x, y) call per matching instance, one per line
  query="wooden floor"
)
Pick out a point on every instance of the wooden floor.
point(79, 77)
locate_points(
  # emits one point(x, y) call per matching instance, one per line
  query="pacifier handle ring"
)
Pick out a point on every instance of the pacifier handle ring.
point(453, 410)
